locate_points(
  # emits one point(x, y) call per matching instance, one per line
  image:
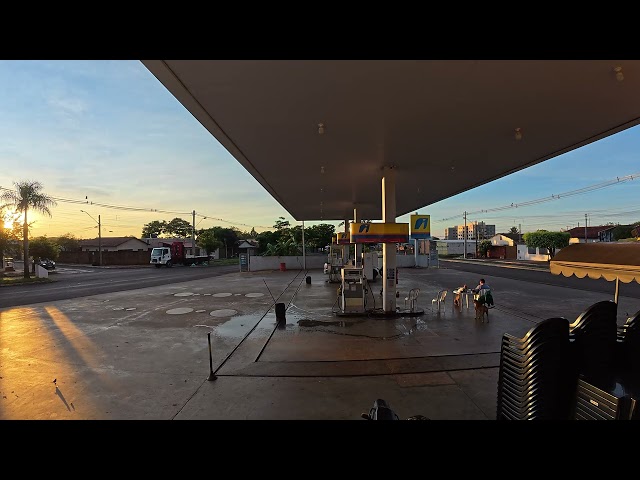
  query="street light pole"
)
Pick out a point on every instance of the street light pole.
point(99, 242)
point(99, 236)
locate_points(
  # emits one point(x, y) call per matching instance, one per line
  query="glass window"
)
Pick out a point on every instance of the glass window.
point(531, 250)
point(543, 251)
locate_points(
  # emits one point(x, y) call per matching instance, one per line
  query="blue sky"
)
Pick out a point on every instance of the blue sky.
point(110, 132)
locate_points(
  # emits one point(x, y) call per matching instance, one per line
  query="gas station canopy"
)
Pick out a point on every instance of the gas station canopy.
point(317, 133)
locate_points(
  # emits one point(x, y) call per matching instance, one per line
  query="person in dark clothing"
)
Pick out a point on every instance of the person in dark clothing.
point(483, 294)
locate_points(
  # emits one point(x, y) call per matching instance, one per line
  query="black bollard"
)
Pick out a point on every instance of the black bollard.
point(308, 280)
point(280, 316)
point(211, 375)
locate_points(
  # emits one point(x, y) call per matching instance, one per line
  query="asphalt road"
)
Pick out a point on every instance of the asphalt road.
point(72, 281)
point(502, 272)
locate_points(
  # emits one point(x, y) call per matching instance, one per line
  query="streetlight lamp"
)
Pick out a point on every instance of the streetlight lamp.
point(99, 237)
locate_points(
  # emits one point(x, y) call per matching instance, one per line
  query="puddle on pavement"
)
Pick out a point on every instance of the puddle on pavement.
point(236, 327)
point(326, 323)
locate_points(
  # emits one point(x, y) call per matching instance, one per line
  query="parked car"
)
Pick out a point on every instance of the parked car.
point(46, 263)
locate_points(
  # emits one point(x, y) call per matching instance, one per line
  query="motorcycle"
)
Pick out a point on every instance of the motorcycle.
point(382, 411)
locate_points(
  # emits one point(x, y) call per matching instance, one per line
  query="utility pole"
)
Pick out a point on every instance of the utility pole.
point(465, 234)
point(520, 231)
point(99, 236)
point(99, 242)
point(475, 234)
point(585, 228)
point(193, 235)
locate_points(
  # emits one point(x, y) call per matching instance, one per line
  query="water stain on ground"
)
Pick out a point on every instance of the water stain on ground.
point(326, 323)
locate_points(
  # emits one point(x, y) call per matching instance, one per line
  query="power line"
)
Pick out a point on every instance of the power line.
point(140, 209)
point(528, 203)
point(227, 221)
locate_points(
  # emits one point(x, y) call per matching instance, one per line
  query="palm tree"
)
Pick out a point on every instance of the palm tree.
point(27, 195)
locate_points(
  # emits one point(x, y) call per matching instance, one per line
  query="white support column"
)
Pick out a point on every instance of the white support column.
point(347, 247)
point(389, 249)
point(358, 246)
point(304, 257)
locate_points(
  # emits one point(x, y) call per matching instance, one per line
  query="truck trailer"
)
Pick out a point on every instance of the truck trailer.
point(175, 254)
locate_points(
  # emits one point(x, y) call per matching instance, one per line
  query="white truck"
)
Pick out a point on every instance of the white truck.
point(175, 255)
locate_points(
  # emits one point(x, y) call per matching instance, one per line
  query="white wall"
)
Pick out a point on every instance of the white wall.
point(523, 254)
point(258, 262)
point(455, 247)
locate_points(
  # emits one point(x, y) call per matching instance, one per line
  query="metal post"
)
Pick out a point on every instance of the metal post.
point(389, 261)
point(193, 235)
point(475, 234)
point(99, 242)
point(211, 375)
point(585, 228)
point(304, 257)
point(358, 246)
point(464, 235)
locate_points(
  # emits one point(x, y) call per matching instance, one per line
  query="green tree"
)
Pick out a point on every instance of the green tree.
point(264, 239)
point(43, 247)
point(281, 224)
point(229, 238)
point(319, 236)
point(68, 242)
point(6, 234)
point(27, 195)
point(207, 239)
point(178, 228)
point(622, 231)
point(253, 233)
point(155, 228)
point(514, 230)
point(483, 247)
point(548, 240)
point(285, 245)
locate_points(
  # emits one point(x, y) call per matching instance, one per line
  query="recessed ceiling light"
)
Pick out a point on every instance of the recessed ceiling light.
point(320, 128)
point(518, 133)
point(619, 74)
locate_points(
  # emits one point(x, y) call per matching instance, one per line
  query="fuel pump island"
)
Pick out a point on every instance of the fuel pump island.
point(355, 295)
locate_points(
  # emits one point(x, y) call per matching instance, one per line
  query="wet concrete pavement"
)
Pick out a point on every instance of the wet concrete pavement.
point(144, 353)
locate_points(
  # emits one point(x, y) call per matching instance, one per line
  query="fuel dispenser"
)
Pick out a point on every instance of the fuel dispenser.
point(337, 259)
point(353, 290)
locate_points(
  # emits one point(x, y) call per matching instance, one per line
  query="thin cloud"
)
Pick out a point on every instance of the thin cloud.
point(68, 105)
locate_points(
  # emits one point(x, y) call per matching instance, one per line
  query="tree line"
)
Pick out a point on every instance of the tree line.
point(283, 240)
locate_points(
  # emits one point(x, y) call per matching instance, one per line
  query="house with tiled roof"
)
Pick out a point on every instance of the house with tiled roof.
point(586, 234)
point(113, 244)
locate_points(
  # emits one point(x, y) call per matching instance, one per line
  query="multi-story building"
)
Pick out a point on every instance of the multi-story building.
point(451, 233)
point(470, 230)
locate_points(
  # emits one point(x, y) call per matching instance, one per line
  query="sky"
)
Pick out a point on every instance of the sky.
point(108, 132)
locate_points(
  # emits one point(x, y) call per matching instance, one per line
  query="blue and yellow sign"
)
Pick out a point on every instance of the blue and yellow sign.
point(420, 227)
point(342, 238)
point(379, 232)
